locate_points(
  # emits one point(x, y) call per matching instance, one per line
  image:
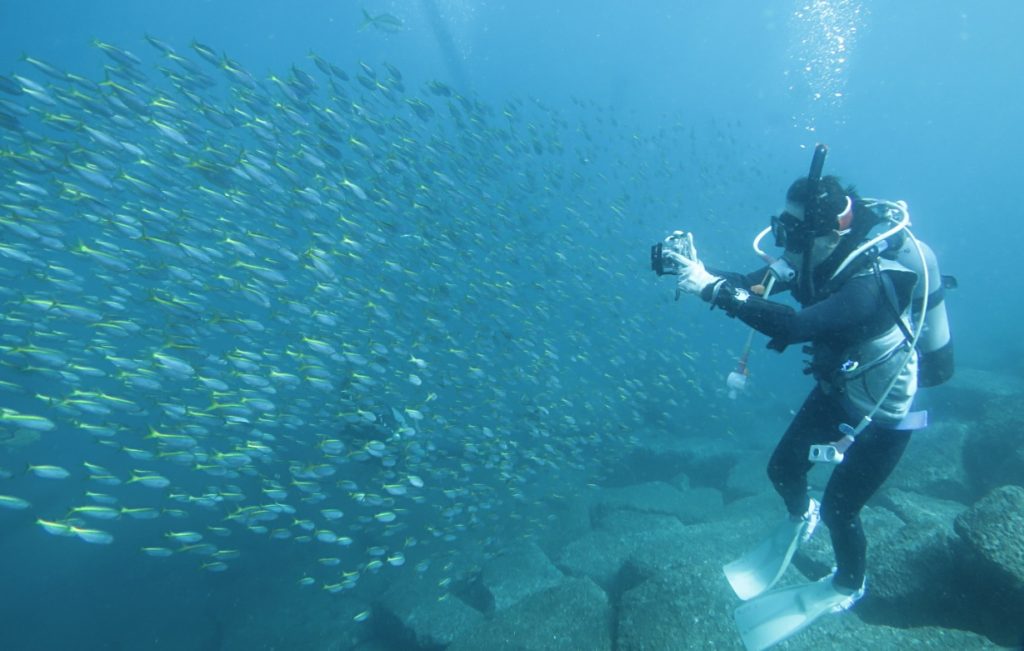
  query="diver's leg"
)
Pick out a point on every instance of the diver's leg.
point(816, 423)
point(760, 568)
point(866, 466)
point(770, 618)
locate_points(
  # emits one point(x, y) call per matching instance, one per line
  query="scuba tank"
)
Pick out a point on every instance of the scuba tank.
point(935, 345)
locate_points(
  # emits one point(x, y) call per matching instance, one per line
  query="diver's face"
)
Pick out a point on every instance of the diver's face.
point(821, 247)
point(790, 232)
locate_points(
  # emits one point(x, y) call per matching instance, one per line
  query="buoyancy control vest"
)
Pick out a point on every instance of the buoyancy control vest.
point(861, 373)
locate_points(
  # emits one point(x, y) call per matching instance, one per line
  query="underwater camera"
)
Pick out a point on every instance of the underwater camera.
point(679, 242)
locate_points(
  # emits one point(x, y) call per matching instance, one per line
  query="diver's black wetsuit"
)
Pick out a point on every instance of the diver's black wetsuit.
point(856, 311)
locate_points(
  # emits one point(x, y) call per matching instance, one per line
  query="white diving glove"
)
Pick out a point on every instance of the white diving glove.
point(693, 277)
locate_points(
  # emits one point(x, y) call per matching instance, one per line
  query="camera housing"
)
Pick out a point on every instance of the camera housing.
point(680, 243)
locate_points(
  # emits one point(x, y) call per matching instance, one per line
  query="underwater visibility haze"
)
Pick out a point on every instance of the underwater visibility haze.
point(331, 325)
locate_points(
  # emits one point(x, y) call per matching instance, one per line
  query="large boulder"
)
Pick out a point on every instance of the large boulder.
point(634, 521)
point(575, 614)
point(910, 557)
point(967, 393)
point(748, 477)
point(993, 452)
point(922, 570)
point(994, 530)
point(703, 549)
point(690, 506)
point(601, 554)
point(676, 596)
point(570, 517)
point(598, 555)
point(756, 512)
point(513, 575)
point(661, 456)
point(679, 598)
point(682, 607)
point(847, 631)
point(993, 562)
point(912, 552)
point(922, 510)
point(933, 463)
point(256, 621)
point(411, 616)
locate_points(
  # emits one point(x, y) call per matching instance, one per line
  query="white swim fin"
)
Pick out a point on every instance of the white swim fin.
point(773, 617)
point(758, 570)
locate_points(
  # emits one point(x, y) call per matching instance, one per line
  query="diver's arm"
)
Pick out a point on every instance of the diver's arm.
point(750, 280)
point(737, 279)
point(857, 303)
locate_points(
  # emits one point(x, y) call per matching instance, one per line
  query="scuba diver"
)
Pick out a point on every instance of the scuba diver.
point(872, 312)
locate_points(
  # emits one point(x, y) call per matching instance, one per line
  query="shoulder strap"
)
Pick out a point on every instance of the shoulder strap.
point(885, 284)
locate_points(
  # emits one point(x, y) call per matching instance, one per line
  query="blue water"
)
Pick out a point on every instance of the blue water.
point(523, 285)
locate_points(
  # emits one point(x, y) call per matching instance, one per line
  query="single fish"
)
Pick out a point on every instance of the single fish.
point(11, 502)
point(49, 472)
point(384, 22)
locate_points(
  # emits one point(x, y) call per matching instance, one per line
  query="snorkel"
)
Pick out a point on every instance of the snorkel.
point(806, 275)
point(817, 165)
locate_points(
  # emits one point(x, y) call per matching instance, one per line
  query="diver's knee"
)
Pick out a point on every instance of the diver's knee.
point(836, 518)
point(776, 471)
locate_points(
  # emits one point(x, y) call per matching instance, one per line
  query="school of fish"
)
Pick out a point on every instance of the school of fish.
point(316, 307)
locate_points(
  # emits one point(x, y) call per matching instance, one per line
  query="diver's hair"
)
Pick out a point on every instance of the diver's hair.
point(864, 220)
point(822, 210)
